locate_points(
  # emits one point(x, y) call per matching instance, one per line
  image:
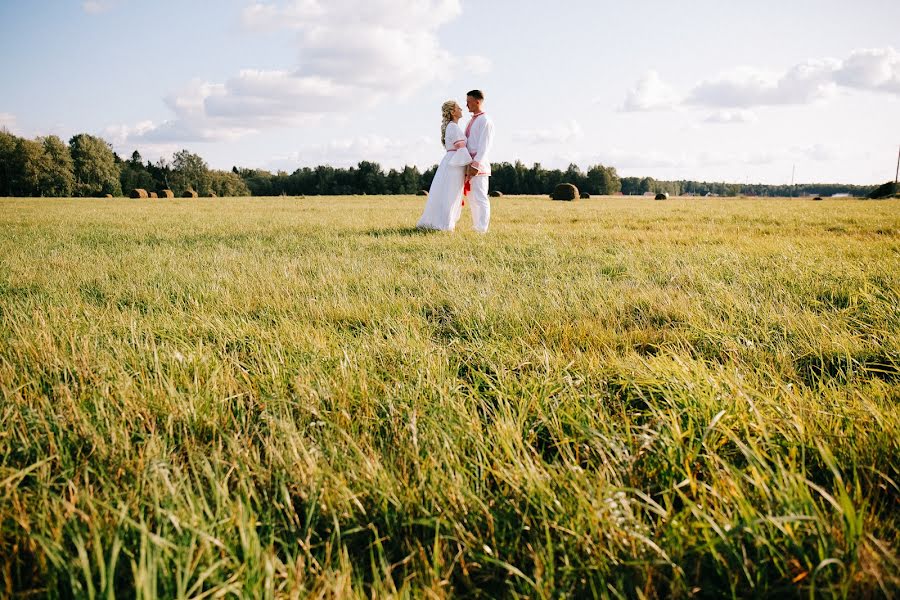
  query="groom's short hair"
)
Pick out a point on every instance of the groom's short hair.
point(477, 94)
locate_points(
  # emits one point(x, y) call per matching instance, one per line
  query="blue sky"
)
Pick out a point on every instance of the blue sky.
point(736, 91)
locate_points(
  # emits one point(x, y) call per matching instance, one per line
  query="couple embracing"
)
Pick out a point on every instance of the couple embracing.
point(465, 169)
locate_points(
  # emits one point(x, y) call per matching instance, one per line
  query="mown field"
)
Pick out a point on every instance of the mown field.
point(305, 397)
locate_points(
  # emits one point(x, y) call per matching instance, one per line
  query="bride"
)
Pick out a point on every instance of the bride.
point(442, 209)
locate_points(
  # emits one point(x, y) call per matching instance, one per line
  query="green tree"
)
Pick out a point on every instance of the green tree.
point(134, 175)
point(30, 162)
point(410, 181)
point(226, 183)
point(96, 172)
point(189, 172)
point(7, 154)
point(59, 177)
point(603, 180)
point(370, 179)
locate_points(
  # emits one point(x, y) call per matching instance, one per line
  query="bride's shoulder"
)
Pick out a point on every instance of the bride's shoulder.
point(455, 130)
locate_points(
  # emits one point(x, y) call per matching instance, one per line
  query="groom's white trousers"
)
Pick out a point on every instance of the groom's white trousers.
point(481, 206)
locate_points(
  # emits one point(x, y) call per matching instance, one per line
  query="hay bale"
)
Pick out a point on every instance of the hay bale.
point(139, 193)
point(495, 194)
point(211, 195)
point(662, 196)
point(818, 198)
point(565, 191)
point(109, 195)
point(585, 195)
point(166, 194)
point(189, 194)
point(422, 193)
point(153, 195)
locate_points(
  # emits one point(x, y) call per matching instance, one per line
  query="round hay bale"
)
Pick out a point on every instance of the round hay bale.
point(565, 191)
point(139, 193)
point(818, 198)
point(153, 195)
point(109, 195)
point(166, 194)
point(422, 193)
point(585, 195)
point(211, 195)
point(495, 194)
point(189, 194)
point(662, 196)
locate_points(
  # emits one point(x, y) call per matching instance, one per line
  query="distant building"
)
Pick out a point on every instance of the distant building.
point(840, 195)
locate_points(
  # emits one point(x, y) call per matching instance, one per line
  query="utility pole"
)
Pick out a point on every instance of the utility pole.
point(793, 168)
point(897, 173)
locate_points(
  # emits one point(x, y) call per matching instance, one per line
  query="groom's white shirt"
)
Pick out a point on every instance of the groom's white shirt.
point(479, 142)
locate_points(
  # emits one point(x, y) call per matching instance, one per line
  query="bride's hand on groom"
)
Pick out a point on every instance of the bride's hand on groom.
point(471, 171)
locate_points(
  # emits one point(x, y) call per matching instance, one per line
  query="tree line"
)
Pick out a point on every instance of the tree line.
point(642, 185)
point(88, 167)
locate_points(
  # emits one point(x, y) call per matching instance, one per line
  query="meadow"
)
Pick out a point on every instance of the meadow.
point(305, 397)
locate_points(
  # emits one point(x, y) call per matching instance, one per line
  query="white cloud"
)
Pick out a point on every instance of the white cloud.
point(875, 70)
point(390, 153)
point(94, 7)
point(566, 133)
point(731, 116)
point(352, 55)
point(746, 87)
point(650, 93)
point(820, 152)
point(704, 158)
point(7, 121)
point(311, 14)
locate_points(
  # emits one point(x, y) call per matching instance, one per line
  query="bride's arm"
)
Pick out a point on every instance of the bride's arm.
point(458, 137)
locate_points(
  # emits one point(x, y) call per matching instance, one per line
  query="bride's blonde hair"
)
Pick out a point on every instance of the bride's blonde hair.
point(446, 116)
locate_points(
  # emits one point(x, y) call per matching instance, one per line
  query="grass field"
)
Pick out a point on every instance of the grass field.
point(615, 397)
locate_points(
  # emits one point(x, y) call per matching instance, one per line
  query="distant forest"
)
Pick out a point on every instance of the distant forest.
point(88, 167)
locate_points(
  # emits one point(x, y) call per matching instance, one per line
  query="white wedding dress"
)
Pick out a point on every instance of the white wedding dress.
point(444, 204)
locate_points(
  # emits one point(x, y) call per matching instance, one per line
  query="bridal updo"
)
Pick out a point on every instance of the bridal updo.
point(446, 116)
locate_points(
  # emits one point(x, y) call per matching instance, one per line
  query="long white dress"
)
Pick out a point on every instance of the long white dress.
point(444, 202)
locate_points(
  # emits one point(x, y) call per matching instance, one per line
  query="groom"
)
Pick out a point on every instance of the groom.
point(479, 139)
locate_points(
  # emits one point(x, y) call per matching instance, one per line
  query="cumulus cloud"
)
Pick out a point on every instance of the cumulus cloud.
point(351, 55)
point(743, 88)
point(873, 70)
point(650, 93)
point(876, 69)
point(566, 133)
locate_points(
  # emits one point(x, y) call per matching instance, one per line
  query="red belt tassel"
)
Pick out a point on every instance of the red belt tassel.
point(467, 187)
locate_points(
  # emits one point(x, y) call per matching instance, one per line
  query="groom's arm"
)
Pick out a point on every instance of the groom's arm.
point(481, 159)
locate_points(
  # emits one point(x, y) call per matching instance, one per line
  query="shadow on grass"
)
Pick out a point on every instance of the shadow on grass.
point(401, 232)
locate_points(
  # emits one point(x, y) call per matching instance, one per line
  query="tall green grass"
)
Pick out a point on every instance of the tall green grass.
point(306, 397)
